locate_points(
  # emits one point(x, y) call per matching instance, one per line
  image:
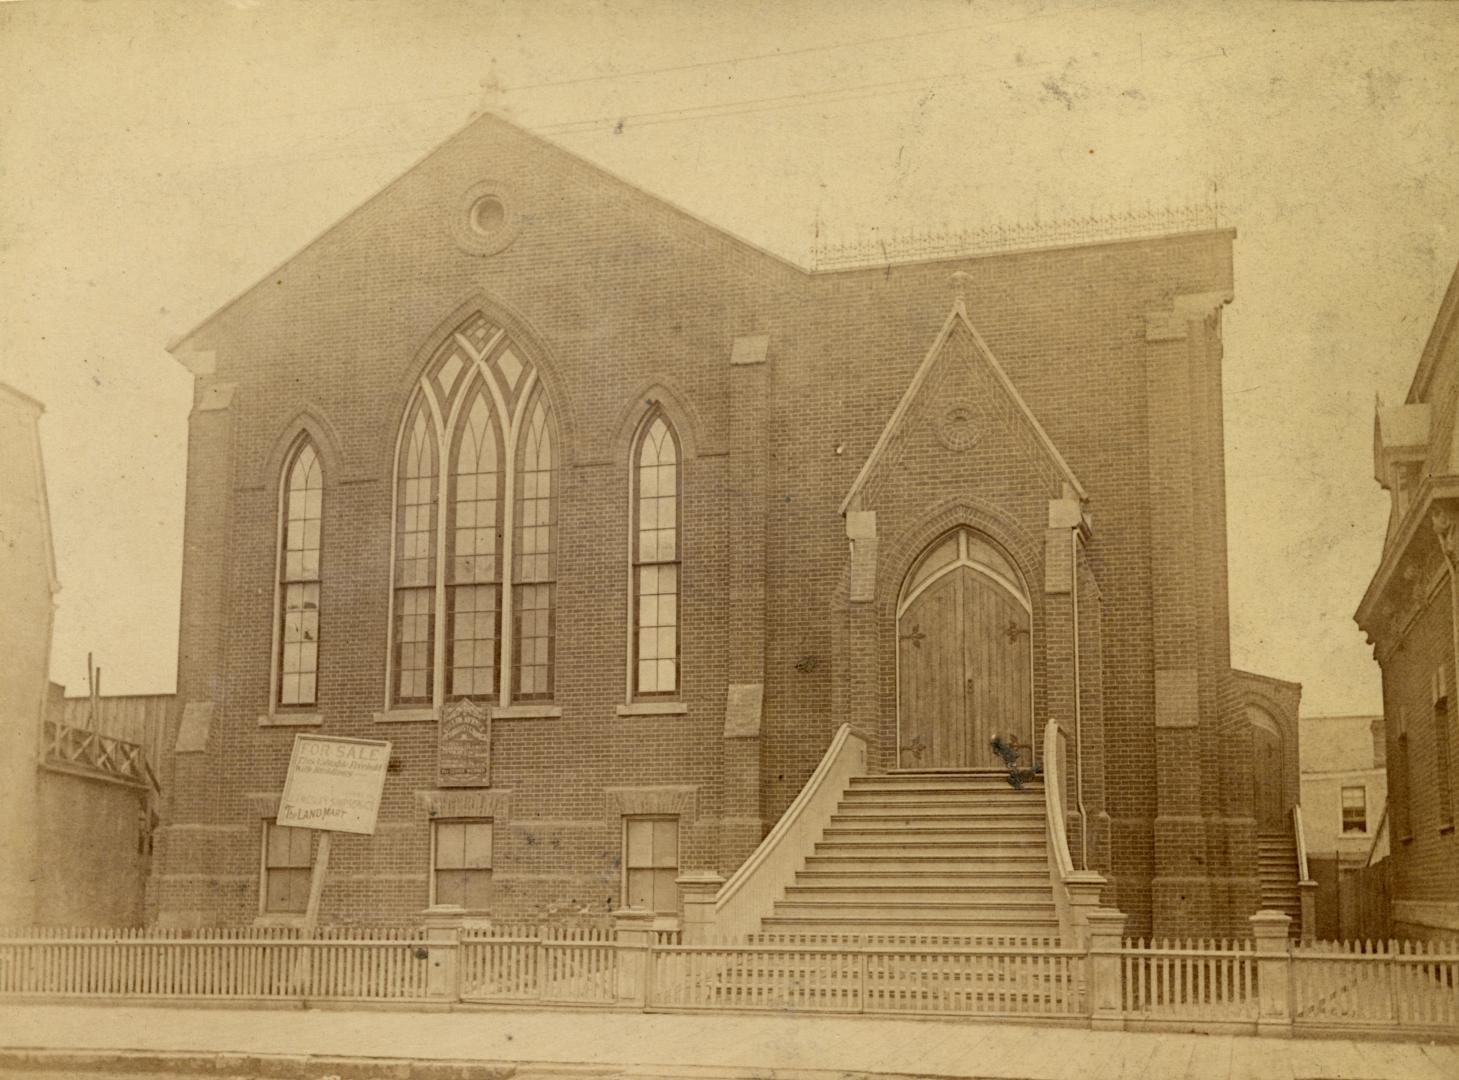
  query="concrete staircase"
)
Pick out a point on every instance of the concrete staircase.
point(958, 854)
point(1276, 857)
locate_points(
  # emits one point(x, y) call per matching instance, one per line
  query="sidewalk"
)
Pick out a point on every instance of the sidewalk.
point(718, 1045)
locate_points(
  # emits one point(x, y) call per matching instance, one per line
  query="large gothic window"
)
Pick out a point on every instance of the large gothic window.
point(303, 512)
point(475, 554)
point(656, 560)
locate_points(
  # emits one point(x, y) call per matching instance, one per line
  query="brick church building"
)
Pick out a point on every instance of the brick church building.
point(519, 450)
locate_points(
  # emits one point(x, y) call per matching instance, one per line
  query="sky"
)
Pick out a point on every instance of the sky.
point(158, 158)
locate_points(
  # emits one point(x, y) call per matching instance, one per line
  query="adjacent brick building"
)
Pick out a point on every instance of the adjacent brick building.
point(665, 507)
point(1409, 615)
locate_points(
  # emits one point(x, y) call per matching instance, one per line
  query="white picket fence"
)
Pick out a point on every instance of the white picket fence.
point(567, 965)
point(944, 981)
point(1397, 987)
point(252, 963)
point(1192, 979)
point(1392, 985)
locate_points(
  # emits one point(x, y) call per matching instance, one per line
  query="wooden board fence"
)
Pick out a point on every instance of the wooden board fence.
point(1392, 985)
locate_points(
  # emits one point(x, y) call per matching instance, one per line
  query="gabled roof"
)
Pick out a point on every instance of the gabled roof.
point(959, 316)
point(1443, 330)
point(179, 344)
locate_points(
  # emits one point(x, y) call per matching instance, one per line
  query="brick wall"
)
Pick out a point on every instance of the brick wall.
point(612, 294)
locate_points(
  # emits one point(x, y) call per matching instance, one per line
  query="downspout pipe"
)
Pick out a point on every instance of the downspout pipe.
point(1078, 707)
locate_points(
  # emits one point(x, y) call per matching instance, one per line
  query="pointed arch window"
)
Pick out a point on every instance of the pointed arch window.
point(535, 572)
point(656, 563)
point(475, 552)
point(298, 584)
point(415, 561)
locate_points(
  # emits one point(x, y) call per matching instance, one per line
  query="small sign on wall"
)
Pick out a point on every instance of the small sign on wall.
point(463, 754)
point(334, 784)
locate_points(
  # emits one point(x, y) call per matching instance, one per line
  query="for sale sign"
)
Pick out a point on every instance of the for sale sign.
point(334, 784)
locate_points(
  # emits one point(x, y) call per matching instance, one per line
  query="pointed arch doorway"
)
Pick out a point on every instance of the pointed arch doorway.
point(964, 656)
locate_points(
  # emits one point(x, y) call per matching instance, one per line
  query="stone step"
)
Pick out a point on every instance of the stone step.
point(951, 873)
point(901, 861)
point(960, 908)
point(938, 782)
point(969, 807)
point(981, 927)
point(938, 796)
point(916, 831)
point(963, 819)
point(887, 893)
point(897, 845)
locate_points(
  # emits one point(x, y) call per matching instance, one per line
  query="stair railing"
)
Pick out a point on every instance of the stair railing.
point(1302, 874)
point(1378, 834)
point(750, 893)
point(1306, 887)
point(1061, 863)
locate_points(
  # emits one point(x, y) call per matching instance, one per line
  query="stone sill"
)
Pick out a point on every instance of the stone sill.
point(291, 719)
point(653, 708)
point(530, 711)
point(405, 716)
point(280, 920)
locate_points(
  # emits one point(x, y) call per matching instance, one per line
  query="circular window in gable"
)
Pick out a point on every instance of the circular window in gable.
point(483, 223)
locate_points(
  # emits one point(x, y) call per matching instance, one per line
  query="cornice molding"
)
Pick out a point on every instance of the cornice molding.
point(1402, 580)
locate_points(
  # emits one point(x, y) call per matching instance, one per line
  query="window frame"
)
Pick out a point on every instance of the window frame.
point(477, 356)
point(1443, 751)
point(473, 390)
point(294, 712)
point(490, 871)
point(264, 868)
point(1361, 817)
point(1400, 798)
point(624, 891)
point(635, 562)
point(519, 582)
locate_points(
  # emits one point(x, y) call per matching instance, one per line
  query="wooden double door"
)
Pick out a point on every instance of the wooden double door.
point(963, 671)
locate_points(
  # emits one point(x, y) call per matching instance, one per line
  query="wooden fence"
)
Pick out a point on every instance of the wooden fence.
point(565, 965)
point(1211, 981)
point(945, 981)
point(1268, 985)
point(1389, 986)
point(339, 965)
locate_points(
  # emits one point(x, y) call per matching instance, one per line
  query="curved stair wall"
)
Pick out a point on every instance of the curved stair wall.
point(750, 894)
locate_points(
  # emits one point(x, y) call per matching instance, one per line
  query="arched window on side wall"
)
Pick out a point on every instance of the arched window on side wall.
point(656, 560)
point(298, 585)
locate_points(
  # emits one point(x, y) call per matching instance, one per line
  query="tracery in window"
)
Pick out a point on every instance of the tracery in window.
point(480, 414)
point(299, 579)
point(656, 561)
point(415, 561)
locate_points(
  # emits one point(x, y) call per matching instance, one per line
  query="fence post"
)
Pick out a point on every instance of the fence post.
point(443, 954)
point(1106, 929)
point(633, 931)
point(1273, 973)
point(1084, 887)
point(699, 889)
point(1307, 895)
